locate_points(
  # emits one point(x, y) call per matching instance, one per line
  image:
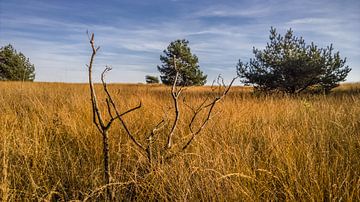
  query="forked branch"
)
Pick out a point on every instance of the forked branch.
point(118, 114)
point(207, 104)
point(211, 106)
point(175, 96)
point(99, 119)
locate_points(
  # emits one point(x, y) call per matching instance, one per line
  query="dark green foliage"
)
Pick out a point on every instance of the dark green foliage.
point(15, 66)
point(186, 65)
point(288, 64)
point(151, 79)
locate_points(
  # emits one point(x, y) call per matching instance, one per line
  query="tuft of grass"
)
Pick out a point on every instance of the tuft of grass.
point(258, 147)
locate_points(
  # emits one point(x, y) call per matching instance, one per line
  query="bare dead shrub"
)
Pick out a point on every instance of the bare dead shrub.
point(168, 151)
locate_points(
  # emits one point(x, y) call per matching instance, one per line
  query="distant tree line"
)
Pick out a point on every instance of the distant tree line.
point(286, 64)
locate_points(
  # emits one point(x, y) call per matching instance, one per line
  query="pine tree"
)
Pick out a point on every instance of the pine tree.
point(288, 64)
point(15, 66)
point(186, 65)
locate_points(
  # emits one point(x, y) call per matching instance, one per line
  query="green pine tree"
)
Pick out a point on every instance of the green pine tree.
point(186, 65)
point(15, 66)
point(288, 64)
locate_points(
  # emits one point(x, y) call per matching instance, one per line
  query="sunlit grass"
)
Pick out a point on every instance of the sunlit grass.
point(258, 147)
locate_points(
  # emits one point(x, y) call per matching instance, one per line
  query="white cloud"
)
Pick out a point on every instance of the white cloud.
point(60, 48)
point(226, 11)
point(314, 21)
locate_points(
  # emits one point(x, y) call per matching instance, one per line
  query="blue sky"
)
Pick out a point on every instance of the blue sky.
point(133, 33)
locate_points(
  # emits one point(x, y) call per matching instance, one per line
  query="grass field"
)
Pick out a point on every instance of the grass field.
point(257, 147)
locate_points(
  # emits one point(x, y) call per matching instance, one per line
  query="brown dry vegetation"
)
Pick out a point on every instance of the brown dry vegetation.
point(257, 147)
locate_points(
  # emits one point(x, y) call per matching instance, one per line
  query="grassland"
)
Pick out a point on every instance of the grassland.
point(257, 147)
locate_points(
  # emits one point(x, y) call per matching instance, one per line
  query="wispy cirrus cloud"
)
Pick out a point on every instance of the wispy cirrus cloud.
point(228, 11)
point(133, 34)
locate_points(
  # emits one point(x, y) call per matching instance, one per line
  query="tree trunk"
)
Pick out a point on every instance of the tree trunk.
point(106, 164)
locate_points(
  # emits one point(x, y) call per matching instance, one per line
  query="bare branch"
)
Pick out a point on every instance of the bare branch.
point(158, 126)
point(129, 110)
point(118, 114)
point(208, 117)
point(98, 119)
point(202, 106)
point(188, 105)
point(109, 108)
point(194, 134)
point(150, 139)
point(175, 95)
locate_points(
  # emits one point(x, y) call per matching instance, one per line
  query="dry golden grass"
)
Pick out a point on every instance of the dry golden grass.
point(257, 148)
